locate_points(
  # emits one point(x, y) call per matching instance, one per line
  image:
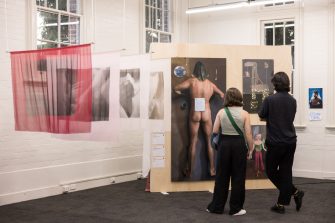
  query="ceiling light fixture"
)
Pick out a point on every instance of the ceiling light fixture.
point(233, 5)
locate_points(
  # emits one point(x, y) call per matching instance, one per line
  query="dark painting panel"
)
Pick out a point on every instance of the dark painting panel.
point(257, 75)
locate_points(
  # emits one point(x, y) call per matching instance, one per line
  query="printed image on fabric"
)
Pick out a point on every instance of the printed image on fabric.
point(100, 94)
point(156, 96)
point(52, 89)
point(130, 93)
point(256, 165)
point(55, 96)
point(197, 95)
point(257, 85)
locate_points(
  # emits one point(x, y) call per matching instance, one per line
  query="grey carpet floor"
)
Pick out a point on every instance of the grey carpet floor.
point(127, 202)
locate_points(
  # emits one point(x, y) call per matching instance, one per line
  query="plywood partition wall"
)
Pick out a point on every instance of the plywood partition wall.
point(234, 55)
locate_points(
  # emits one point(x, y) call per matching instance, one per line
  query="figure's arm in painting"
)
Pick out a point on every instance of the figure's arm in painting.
point(263, 147)
point(218, 91)
point(182, 86)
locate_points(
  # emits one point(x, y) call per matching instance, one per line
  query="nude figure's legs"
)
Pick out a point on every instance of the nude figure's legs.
point(194, 128)
point(207, 127)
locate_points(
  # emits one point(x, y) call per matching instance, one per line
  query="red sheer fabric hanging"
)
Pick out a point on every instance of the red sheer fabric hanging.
point(52, 89)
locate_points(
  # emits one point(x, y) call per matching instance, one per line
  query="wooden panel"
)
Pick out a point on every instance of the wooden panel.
point(161, 177)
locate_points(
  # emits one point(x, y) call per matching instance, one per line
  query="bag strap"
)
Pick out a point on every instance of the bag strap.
point(232, 121)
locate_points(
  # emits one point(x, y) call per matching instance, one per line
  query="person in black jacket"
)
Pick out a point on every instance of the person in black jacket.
point(278, 110)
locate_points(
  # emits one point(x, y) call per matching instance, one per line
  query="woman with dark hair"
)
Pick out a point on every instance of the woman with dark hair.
point(278, 110)
point(232, 154)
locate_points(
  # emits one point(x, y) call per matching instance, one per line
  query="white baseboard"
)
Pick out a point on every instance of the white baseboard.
point(314, 174)
point(54, 180)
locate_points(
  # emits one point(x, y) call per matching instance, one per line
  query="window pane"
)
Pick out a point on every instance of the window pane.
point(62, 5)
point(279, 33)
point(44, 45)
point(166, 5)
point(153, 18)
point(40, 2)
point(167, 21)
point(159, 3)
point(75, 6)
point(289, 33)
point(153, 3)
point(147, 2)
point(64, 45)
point(269, 37)
point(159, 19)
point(64, 29)
point(151, 37)
point(51, 4)
point(69, 30)
point(47, 26)
point(147, 15)
point(268, 34)
point(164, 38)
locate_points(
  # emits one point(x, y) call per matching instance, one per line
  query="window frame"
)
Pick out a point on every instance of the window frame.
point(158, 31)
point(263, 22)
point(59, 14)
point(278, 6)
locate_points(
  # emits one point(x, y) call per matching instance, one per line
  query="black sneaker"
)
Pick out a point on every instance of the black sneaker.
point(298, 199)
point(278, 208)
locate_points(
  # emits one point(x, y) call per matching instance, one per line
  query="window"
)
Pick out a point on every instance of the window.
point(58, 23)
point(279, 33)
point(279, 4)
point(158, 20)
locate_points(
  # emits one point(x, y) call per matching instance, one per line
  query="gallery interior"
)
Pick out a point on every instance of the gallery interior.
point(96, 106)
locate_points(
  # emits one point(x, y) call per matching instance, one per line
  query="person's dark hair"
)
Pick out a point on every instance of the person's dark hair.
point(281, 82)
point(316, 92)
point(200, 71)
point(233, 97)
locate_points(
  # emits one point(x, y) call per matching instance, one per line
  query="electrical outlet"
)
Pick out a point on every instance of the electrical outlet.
point(73, 187)
point(66, 188)
point(139, 176)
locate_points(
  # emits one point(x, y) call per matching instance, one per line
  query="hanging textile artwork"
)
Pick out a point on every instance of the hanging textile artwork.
point(52, 89)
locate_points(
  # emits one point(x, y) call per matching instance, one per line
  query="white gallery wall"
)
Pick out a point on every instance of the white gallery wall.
point(33, 164)
point(314, 42)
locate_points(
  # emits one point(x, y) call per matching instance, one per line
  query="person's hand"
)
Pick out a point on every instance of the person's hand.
point(250, 155)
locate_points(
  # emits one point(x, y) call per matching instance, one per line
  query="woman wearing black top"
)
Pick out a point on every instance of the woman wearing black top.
point(278, 110)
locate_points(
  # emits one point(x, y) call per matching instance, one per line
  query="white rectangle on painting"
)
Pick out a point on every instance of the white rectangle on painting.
point(158, 150)
point(199, 104)
point(315, 116)
point(157, 138)
point(158, 162)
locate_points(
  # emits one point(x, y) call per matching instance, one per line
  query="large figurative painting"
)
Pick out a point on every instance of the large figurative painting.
point(257, 85)
point(197, 95)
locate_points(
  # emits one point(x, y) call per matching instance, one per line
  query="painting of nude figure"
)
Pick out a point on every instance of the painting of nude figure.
point(198, 86)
